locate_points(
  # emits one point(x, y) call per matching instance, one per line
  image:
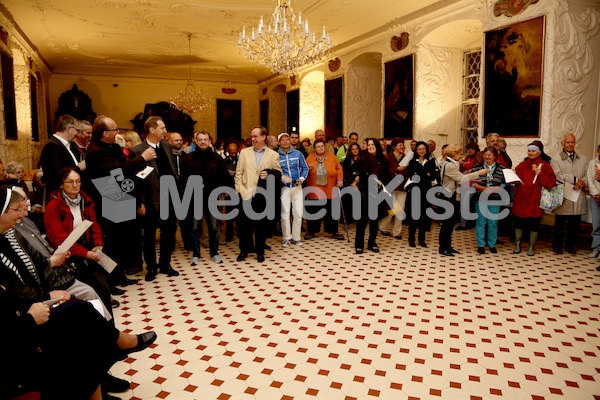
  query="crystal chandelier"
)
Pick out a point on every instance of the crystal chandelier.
point(189, 100)
point(286, 43)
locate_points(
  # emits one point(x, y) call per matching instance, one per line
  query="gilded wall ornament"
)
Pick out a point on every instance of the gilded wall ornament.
point(510, 8)
point(334, 64)
point(398, 43)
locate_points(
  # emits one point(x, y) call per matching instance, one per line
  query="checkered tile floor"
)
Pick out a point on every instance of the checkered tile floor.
point(319, 322)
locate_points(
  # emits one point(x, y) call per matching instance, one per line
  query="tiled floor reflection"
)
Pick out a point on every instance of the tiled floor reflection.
point(319, 322)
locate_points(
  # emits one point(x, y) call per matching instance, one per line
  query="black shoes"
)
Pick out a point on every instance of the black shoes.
point(447, 253)
point(374, 249)
point(113, 384)
point(412, 244)
point(127, 282)
point(359, 251)
point(423, 244)
point(493, 250)
point(338, 236)
point(114, 303)
point(309, 236)
point(150, 275)
point(385, 233)
point(115, 291)
point(398, 237)
point(144, 340)
point(481, 250)
point(260, 257)
point(453, 250)
point(242, 256)
point(168, 270)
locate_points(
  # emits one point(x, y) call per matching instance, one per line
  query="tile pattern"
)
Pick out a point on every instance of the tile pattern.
point(319, 322)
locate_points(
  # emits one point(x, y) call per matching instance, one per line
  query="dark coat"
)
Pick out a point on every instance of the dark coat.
point(54, 158)
point(149, 193)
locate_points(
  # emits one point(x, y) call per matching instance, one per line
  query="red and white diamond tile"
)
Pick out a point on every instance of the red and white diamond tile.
point(320, 322)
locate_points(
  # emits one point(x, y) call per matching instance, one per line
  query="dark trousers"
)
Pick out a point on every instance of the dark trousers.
point(314, 226)
point(447, 227)
point(122, 243)
point(168, 229)
point(572, 223)
point(361, 227)
point(246, 226)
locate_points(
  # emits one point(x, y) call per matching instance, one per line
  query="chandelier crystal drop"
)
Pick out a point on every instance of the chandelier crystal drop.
point(286, 43)
point(189, 100)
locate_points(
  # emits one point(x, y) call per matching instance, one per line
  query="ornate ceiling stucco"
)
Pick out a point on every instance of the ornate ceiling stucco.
point(147, 38)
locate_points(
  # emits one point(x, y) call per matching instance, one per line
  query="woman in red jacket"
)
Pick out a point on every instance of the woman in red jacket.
point(68, 207)
point(535, 172)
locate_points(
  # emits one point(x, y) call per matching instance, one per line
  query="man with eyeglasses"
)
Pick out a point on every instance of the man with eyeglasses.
point(57, 153)
point(122, 240)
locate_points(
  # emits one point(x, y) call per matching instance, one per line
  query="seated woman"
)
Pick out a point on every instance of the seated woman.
point(68, 207)
point(16, 171)
point(39, 340)
point(53, 269)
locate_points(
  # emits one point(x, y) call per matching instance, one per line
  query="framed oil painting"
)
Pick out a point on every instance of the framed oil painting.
point(399, 98)
point(229, 119)
point(514, 61)
point(334, 118)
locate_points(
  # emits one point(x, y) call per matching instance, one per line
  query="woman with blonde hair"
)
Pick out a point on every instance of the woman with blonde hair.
point(451, 179)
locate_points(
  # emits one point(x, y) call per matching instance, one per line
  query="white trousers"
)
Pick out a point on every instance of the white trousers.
point(396, 219)
point(291, 200)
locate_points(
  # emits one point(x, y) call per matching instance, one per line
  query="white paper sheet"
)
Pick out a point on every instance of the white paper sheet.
point(107, 263)
point(145, 172)
point(74, 236)
point(511, 176)
point(570, 193)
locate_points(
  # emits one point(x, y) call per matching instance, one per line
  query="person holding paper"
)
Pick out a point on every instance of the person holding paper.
point(492, 181)
point(26, 288)
point(571, 168)
point(68, 208)
point(535, 172)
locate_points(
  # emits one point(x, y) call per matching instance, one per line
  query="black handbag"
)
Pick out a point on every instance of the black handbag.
point(62, 277)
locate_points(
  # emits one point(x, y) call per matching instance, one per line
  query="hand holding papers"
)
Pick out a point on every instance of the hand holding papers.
point(74, 236)
point(145, 172)
point(511, 176)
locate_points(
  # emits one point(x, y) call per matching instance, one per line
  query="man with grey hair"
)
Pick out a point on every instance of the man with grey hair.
point(57, 153)
point(493, 139)
point(81, 141)
point(570, 168)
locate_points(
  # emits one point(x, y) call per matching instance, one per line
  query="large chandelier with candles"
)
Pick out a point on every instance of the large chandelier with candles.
point(286, 43)
point(189, 100)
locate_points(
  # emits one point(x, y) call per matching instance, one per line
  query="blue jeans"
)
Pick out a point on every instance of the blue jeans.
point(595, 208)
point(492, 227)
point(213, 234)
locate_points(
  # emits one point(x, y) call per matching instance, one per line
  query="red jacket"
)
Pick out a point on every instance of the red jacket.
point(58, 220)
point(527, 197)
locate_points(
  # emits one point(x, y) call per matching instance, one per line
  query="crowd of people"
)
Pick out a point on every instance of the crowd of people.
point(325, 181)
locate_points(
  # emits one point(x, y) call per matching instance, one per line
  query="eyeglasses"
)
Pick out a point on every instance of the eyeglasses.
point(75, 182)
point(78, 130)
point(112, 130)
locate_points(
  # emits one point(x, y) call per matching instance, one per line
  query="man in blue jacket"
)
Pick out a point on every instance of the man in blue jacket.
point(295, 171)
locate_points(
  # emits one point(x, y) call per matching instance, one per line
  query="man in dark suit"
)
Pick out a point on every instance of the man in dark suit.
point(57, 153)
point(149, 195)
point(122, 240)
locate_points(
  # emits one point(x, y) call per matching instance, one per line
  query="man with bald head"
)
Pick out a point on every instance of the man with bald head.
point(121, 240)
point(320, 134)
point(570, 168)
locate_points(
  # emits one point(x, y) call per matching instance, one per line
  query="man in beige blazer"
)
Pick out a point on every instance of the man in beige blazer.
point(254, 165)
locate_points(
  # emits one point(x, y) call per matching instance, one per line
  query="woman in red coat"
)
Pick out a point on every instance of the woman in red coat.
point(68, 207)
point(535, 172)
